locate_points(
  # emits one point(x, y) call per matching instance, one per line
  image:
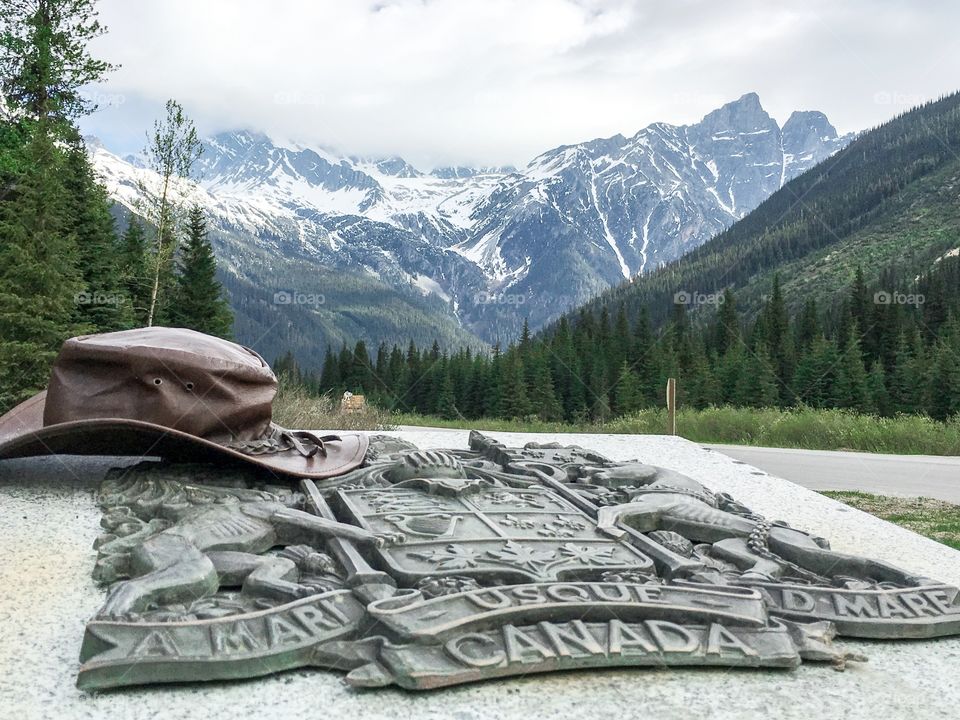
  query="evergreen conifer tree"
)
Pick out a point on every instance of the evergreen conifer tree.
point(198, 301)
point(851, 389)
point(513, 392)
point(39, 279)
point(102, 304)
point(446, 405)
point(134, 270)
point(629, 393)
point(757, 385)
point(877, 389)
point(543, 398)
point(330, 375)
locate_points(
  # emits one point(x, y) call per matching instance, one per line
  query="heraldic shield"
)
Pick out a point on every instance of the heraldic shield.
point(494, 534)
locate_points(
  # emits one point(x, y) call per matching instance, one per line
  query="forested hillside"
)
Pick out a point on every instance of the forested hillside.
point(890, 199)
point(881, 358)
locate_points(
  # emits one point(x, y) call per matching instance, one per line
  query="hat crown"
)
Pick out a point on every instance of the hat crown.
point(172, 377)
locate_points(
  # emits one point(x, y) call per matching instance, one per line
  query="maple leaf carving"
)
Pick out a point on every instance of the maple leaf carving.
point(522, 556)
point(451, 557)
point(589, 555)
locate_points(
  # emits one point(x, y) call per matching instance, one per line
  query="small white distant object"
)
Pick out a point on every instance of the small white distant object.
point(352, 403)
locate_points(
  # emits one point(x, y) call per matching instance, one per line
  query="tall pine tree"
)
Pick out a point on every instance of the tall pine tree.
point(198, 301)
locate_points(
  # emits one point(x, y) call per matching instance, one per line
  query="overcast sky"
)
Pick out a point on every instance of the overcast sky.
point(499, 81)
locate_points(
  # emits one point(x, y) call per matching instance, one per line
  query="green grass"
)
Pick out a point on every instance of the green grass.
point(934, 519)
point(771, 427)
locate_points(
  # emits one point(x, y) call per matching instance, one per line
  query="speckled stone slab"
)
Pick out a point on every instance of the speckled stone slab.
point(49, 519)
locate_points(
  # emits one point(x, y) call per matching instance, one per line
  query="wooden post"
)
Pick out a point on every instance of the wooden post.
point(672, 406)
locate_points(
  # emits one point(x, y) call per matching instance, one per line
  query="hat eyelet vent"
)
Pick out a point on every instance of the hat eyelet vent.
point(158, 381)
point(189, 386)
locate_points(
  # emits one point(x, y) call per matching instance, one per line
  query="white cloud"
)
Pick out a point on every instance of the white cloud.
point(498, 81)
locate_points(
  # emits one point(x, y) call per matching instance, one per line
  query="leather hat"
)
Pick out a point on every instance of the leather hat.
point(172, 393)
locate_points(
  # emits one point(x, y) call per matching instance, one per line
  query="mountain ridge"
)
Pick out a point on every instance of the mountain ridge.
point(888, 203)
point(496, 246)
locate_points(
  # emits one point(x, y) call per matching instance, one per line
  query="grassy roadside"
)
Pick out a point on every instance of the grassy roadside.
point(796, 428)
point(294, 407)
point(934, 519)
point(771, 427)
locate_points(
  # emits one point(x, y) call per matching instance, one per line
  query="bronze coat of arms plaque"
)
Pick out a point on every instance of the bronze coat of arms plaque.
point(430, 568)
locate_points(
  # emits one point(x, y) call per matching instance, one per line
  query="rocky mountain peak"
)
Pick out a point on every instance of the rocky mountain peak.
point(744, 114)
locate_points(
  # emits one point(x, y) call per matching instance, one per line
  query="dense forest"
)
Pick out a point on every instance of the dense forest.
point(887, 349)
point(65, 270)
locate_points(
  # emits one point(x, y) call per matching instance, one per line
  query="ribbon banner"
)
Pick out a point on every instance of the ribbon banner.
point(549, 646)
point(248, 645)
point(920, 612)
point(411, 617)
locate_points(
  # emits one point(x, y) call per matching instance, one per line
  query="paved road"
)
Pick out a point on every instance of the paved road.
point(904, 475)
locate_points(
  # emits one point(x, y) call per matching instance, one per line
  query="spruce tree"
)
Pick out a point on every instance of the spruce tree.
point(727, 327)
point(330, 375)
point(360, 375)
point(345, 367)
point(728, 371)
point(909, 383)
point(645, 361)
point(492, 401)
point(779, 341)
point(757, 385)
point(287, 368)
point(44, 64)
point(543, 398)
point(816, 377)
point(598, 392)
point(134, 270)
point(44, 61)
point(477, 388)
point(198, 301)
point(513, 392)
point(703, 389)
point(39, 280)
point(877, 389)
point(860, 302)
point(944, 375)
point(851, 390)
point(103, 303)
point(446, 405)
point(807, 327)
point(629, 393)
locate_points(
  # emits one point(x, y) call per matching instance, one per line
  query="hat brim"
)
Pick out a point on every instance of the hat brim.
point(22, 434)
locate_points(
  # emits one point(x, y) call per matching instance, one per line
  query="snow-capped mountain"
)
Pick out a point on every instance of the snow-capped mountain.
point(491, 246)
